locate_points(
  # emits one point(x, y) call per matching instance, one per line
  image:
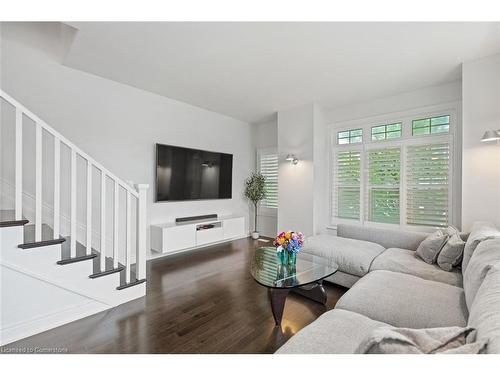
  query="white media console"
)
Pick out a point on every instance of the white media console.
point(174, 237)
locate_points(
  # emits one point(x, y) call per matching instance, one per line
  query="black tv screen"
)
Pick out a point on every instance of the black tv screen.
point(188, 174)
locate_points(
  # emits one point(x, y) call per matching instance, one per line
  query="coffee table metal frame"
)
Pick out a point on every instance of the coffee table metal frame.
point(312, 290)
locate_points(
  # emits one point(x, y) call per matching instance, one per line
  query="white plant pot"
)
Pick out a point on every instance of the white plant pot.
point(255, 235)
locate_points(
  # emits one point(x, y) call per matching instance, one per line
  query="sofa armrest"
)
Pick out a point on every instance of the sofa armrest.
point(386, 237)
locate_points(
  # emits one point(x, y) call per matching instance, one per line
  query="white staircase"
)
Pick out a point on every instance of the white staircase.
point(36, 260)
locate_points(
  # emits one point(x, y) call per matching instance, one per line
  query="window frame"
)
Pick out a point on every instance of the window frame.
point(385, 132)
point(430, 125)
point(350, 136)
point(406, 139)
point(266, 210)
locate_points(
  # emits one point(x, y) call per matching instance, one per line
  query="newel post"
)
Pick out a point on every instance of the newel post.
point(140, 256)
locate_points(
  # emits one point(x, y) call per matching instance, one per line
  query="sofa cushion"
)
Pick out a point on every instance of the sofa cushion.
point(405, 300)
point(452, 252)
point(486, 255)
point(429, 248)
point(485, 311)
point(352, 256)
point(335, 332)
point(384, 237)
point(481, 231)
point(407, 261)
point(439, 340)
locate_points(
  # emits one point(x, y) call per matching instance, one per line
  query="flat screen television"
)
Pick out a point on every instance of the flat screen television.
point(187, 174)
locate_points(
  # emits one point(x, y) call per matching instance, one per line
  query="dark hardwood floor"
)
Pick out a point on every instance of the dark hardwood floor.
point(203, 301)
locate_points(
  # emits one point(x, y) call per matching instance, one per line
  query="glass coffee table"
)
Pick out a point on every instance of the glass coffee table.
point(305, 278)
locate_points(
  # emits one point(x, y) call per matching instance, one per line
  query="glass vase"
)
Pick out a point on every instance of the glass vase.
point(292, 259)
point(282, 257)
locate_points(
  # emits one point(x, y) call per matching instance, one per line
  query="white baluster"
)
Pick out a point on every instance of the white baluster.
point(57, 186)
point(88, 250)
point(38, 183)
point(140, 257)
point(129, 239)
point(73, 205)
point(19, 165)
point(103, 221)
point(115, 223)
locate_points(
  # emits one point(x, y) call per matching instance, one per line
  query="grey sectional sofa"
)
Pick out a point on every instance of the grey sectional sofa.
point(390, 285)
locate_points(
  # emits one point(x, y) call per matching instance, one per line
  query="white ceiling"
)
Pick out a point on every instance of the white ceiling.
point(250, 70)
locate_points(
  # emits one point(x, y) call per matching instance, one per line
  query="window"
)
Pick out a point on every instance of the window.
point(350, 136)
point(348, 184)
point(268, 166)
point(427, 184)
point(383, 185)
point(383, 132)
point(396, 177)
point(432, 125)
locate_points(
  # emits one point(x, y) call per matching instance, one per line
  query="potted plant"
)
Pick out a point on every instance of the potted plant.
point(255, 192)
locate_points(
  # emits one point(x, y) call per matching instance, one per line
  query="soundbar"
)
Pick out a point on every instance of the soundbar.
point(194, 218)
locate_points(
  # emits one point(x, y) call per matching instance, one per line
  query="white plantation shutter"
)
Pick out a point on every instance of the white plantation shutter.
point(347, 184)
point(401, 174)
point(382, 193)
point(427, 185)
point(268, 166)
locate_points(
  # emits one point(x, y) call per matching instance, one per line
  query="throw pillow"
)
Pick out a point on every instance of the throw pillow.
point(429, 248)
point(451, 254)
point(443, 340)
point(451, 230)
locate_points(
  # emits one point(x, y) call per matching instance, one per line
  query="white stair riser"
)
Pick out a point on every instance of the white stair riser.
point(11, 237)
point(120, 296)
point(36, 257)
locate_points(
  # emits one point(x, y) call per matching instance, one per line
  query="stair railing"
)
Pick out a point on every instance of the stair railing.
point(138, 193)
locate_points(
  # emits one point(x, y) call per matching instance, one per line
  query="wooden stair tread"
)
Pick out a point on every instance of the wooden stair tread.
point(47, 237)
point(32, 245)
point(130, 284)
point(76, 259)
point(8, 219)
point(107, 272)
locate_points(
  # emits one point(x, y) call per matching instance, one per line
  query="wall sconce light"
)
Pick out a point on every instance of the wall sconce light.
point(292, 159)
point(491, 135)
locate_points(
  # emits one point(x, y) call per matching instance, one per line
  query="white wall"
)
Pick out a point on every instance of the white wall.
point(424, 97)
point(480, 161)
point(296, 182)
point(118, 125)
point(321, 175)
point(302, 187)
point(266, 136)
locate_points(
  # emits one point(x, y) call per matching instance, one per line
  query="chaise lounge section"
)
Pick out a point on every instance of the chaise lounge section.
point(390, 286)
